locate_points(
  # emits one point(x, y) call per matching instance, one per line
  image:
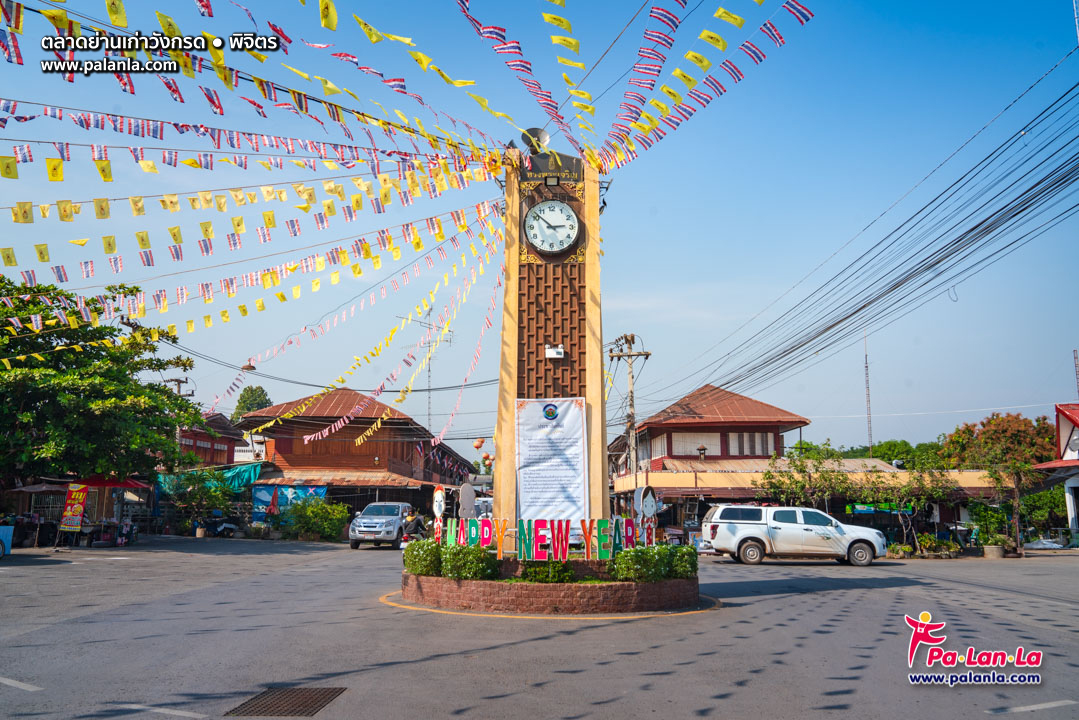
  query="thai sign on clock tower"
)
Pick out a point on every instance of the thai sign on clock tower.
point(550, 460)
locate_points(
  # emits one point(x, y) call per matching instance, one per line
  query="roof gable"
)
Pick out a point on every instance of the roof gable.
point(709, 404)
point(334, 404)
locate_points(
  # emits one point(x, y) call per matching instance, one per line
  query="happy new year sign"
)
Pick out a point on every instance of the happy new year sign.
point(547, 539)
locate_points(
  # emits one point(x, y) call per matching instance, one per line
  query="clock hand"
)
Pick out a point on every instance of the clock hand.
point(548, 223)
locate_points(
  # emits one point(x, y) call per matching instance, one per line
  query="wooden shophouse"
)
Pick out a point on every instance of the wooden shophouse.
point(396, 463)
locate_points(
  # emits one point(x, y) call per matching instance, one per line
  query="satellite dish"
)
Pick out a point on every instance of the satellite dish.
point(1073, 443)
point(536, 140)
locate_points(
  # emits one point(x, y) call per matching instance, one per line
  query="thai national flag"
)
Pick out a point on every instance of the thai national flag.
point(397, 84)
point(170, 157)
point(99, 152)
point(666, 17)
point(206, 161)
point(493, 32)
point(701, 97)
point(732, 70)
point(9, 107)
point(55, 113)
point(635, 97)
point(116, 262)
point(293, 227)
point(181, 295)
point(147, 258)
point(60, 273)
point(752, 51)
point(206, 247)
point(137, 153)
point(285, 39)
point(263, 234)
point(715, 85)
point(240, 161)
point(773, 34)
point(127, 85)
point(233, 241)
point(320, 221)
point(649, 69)
point(9, 46)
point(204, 7)
point(659, 38)
point(348, 213)
point(800, 12)
point(29, 278)
point(87, 267)
point(213, 99)
point(650, 54)
point(376, 205)
point(521, 66)
point(23, 154)
point(508, 48)
point(176, 252)
point(647, 84)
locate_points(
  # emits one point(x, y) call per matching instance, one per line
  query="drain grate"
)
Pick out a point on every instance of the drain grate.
point(292, 702)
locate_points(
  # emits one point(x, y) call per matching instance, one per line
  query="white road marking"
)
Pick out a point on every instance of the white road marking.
point(19, 685)
point(162, 711)
point(1030, 708)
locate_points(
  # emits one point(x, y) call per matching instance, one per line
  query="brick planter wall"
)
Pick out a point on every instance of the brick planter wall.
point(549, 598)
point(582, 569)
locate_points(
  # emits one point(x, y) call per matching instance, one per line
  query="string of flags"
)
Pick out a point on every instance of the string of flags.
point(448, 312)
point(271, 277)
point(485, 326)
point(189, 64)
point(136, 307)
point(621, 146)
point(515, 61)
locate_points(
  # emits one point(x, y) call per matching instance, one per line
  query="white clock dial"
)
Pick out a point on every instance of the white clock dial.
point(551, 226)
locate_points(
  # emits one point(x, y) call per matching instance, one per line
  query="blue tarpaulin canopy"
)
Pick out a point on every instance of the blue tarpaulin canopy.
point(236, 478)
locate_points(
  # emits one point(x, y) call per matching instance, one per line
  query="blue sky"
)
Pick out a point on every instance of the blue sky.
point(701, 233)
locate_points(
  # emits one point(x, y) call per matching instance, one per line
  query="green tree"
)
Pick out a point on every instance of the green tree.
point(252, 397)
point(1007, 447)
point(73, 400)
point(924, 481)
point(480, 468)
point(808, 475)
point(200, 492)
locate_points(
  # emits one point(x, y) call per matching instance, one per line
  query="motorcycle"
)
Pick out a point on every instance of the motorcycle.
point(417, 533)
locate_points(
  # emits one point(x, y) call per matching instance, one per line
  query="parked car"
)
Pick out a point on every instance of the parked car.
point(380, 522)
point(750, 533)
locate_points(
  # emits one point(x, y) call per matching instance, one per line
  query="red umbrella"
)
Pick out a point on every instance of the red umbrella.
point(273, 509)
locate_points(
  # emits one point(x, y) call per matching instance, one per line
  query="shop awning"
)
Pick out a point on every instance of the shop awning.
point(42, 488)
point(100, 481)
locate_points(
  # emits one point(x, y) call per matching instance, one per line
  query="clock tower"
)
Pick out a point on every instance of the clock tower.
point(551, 350)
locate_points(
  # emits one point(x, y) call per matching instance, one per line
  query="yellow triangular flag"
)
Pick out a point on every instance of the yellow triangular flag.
point(104, 169)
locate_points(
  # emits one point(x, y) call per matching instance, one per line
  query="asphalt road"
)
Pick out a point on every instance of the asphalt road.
point(193, 628)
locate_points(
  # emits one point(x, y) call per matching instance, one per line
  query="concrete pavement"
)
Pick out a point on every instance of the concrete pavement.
point(193, 628)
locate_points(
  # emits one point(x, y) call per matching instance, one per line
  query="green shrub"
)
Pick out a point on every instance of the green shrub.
point(648, 564)
point(683, 562)
point(423, 557)
point(550, 571)
point(465, 562)
point(998, 540)
point(315, 516)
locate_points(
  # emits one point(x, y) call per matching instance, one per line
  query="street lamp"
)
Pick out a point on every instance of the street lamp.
point(701, 450)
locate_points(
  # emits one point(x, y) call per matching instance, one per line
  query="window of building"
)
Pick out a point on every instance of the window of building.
point(202, 444)
point(751, 444)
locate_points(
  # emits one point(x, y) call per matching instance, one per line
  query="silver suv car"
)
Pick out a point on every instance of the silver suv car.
point(378, 523)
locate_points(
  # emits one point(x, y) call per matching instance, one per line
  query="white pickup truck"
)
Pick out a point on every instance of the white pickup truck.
point(749, 533)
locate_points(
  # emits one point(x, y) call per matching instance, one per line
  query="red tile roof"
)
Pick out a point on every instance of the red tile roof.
point(331, 405)
point(710, 405)
point(1070, 411)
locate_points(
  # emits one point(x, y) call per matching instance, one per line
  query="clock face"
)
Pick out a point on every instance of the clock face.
point(551, 226)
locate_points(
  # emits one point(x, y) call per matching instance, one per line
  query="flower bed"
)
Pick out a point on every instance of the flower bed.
point(465, 577)
point(549, 598)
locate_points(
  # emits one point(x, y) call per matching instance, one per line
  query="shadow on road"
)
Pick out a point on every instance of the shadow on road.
point(802, 586)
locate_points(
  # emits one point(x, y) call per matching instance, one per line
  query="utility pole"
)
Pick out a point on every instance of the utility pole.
point(1075, 353)
point(624, 345)
point(868, 412)
point(178, 382)
point(430, 361)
